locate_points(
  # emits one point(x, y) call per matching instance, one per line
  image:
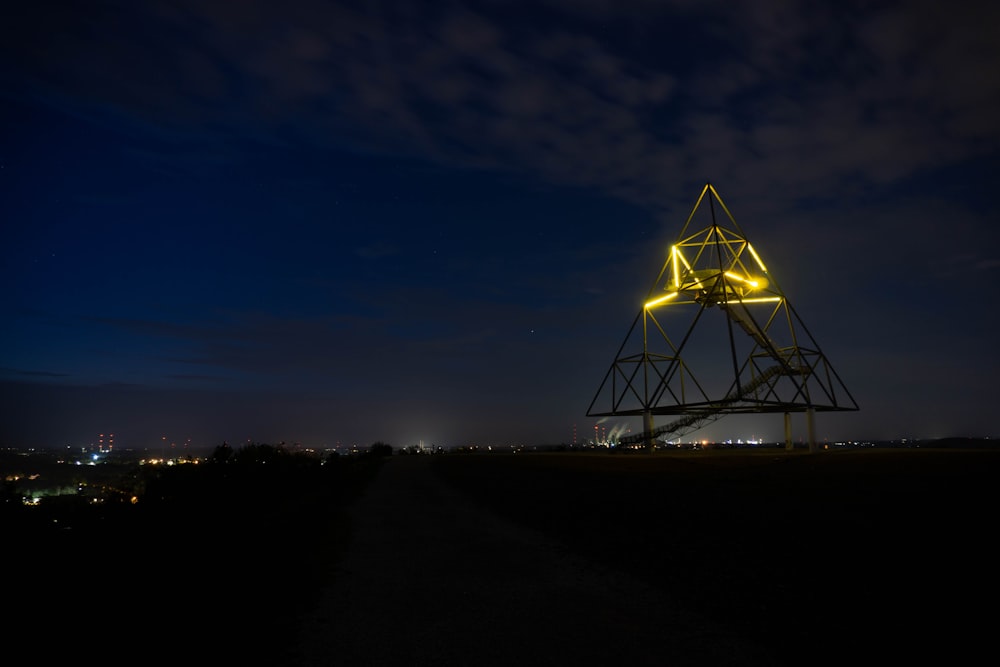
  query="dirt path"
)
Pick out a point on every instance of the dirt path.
point(432, 579)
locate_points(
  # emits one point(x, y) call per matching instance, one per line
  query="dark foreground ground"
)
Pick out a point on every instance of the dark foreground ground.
point(829, 558)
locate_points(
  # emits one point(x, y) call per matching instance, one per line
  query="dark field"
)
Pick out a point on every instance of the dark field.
point(838, 557)
point(826, 558)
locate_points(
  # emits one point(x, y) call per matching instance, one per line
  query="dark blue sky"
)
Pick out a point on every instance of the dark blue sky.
point(326, 222)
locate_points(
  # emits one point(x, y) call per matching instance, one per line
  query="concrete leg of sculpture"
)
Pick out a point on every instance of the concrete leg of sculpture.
point(788, 432)
point(647, 427)
point(813, 447)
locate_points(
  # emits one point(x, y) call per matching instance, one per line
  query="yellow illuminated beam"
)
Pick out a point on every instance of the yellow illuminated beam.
point(665, 297)
point(743, 279)
point(756, 257)
point(677, 269)
point(752, 282)
point(762, 299)
point(678, 259)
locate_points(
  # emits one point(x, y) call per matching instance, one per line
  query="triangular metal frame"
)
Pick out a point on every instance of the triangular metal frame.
point(776, 364)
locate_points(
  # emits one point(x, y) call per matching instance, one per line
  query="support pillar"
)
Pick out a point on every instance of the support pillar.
point(647, 430)
point(789, 446)
point(813, 447)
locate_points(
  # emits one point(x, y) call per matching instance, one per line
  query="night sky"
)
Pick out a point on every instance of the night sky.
point(346, 222)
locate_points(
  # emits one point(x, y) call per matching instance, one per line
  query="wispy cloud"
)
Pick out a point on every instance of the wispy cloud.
point(802, 98)
point(33, 373)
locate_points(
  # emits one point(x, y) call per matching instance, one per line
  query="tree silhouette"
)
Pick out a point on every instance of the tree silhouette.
point(380, 449)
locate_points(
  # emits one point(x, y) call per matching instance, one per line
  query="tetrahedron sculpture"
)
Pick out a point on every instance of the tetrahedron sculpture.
point(715, 336)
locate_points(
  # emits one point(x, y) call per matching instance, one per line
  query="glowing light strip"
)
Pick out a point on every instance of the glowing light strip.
point(749, 281)
point(684, 259)
point(665, 297)
point(676, 255)
point(756, 257)
point(763, 299)
point(677, 269)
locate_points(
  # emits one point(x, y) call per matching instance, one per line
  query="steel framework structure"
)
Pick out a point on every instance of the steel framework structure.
point(757, 352)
